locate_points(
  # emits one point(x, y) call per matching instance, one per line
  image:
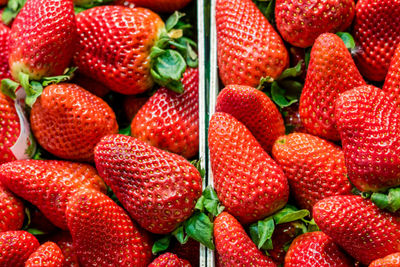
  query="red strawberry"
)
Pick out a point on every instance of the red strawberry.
point(301, 22)
point(49, 184)
point(234, 246)
point(9, 128)
point(11, 211)
point(64, 242)
point(331, 71)
point(119, 55)
point(163, 6)
point(15, 248)
point(91, 85)
point(43, 38)
point(393, 260)
point(158, 189)
point(169, 260)
point(315, 249)
point(369, 125)
point(48, 254)
point(103, 234)
point(4, 51)
point(68, 121)
point(248, 182)
point(392, 81)
point(255, 110)
point(314, 168)
point(170, 120)
point(249, 48)
point(357, 225)
point(132, 105)
point(376, 32)
point(283, 235)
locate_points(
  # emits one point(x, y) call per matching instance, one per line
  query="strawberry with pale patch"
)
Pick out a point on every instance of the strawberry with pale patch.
point(9, 128)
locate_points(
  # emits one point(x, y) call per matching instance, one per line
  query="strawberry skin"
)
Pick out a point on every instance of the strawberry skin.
point(255, 110)
point(119, 55)
point(314, 168)
point(64, 242)
point(49, 184)
point(234, 246)
point(158, 189)
point(9, 128)
point(102, 232)
point(68, 121)
point(4, 51)
point(11, 211)
point(48, 254)
point(169, 120)
point(357, 225)
point(132, 105)
point(393, 260)
point(315, 249)
point(91, 85)
point(301, 22)
point(168, 260)
point(42, 39)
point(163, 6)
point(376, 32)
point(331, 71)
point(248, 182)
point(249, 48)
point(392, 81)
point(369, 125)
point(16, 247)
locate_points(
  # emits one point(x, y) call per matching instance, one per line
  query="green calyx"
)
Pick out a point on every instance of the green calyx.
point(347, 39)
point(172, 53)
point(389, 200)
point(83, 5)
point(12, 10)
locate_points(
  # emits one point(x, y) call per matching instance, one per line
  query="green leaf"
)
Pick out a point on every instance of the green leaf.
point(200, 204)
point(289, 214)
point(27, 219)
point(389, 200)
point(197, 164)
point(35, 231)
point(278, 96)
point(179, 234)
point(68, 74)
point(35, 91)
point(292, 72)
point(264, 81)
point(347, 39)
point(24, 80)
point(161, 244)
point(265, 230)
point(211, 201)
point(9, 87)
point(125, 131)
point(200, 228)
point(312, 226)
point(173, 20)
point(267, 7)
point(12, 10)
point(394, 199)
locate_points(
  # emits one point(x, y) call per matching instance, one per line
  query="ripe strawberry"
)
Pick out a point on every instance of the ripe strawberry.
point(9, 128)
point(234, 246)
point(42, 39)
point(48, 254)
point(248, 182)
point(369, 125)
point(64, 242)
point(132, 105)
point(392, 81)
point(15, 248)
point(393, 260)
point(4, 51)
point(249, 48)
point(314, 168)
point(158, 189)
point(91, 85)
point(68, 121)
point(170, 120)
point(255, 110)
point(283, 235)
point(357, 225)
point(49, 184)
point(301, 22)
point(11, 211)
point(331, 71)
point(376, 32)
point(169, 259)
point(103, 234)
point(162, 6)
point(133, 31)
point(315, 249)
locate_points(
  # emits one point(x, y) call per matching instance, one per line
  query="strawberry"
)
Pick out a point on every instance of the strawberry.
point(248, 182)
point(189, 251)
point(234, 246)
point(393, 260)
point(48, 254)
point(291, 117)
point(301, 22)
point(357, 225)
point(9, 128)
point(4, 51)
point(249, 48)
point(102, 232)
point(91, 85)
point(169, 259)
point(132, 105)
point(314, 167)
point(169, 120)
point(315, 249)
point(49, 184)
point(68, 121)
point(64, 242)
point(163, 6)
point(42, 38)
point(158, 189)
point(376, 32)
point(15, 248)
point(255, 110)
point(392, 81)
point(369, 126)
point(282, 236)
point(331, 71)
point(11, 211)
point(39, 221)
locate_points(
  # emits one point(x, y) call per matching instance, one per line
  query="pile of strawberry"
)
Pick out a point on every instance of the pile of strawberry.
point(320, 135)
